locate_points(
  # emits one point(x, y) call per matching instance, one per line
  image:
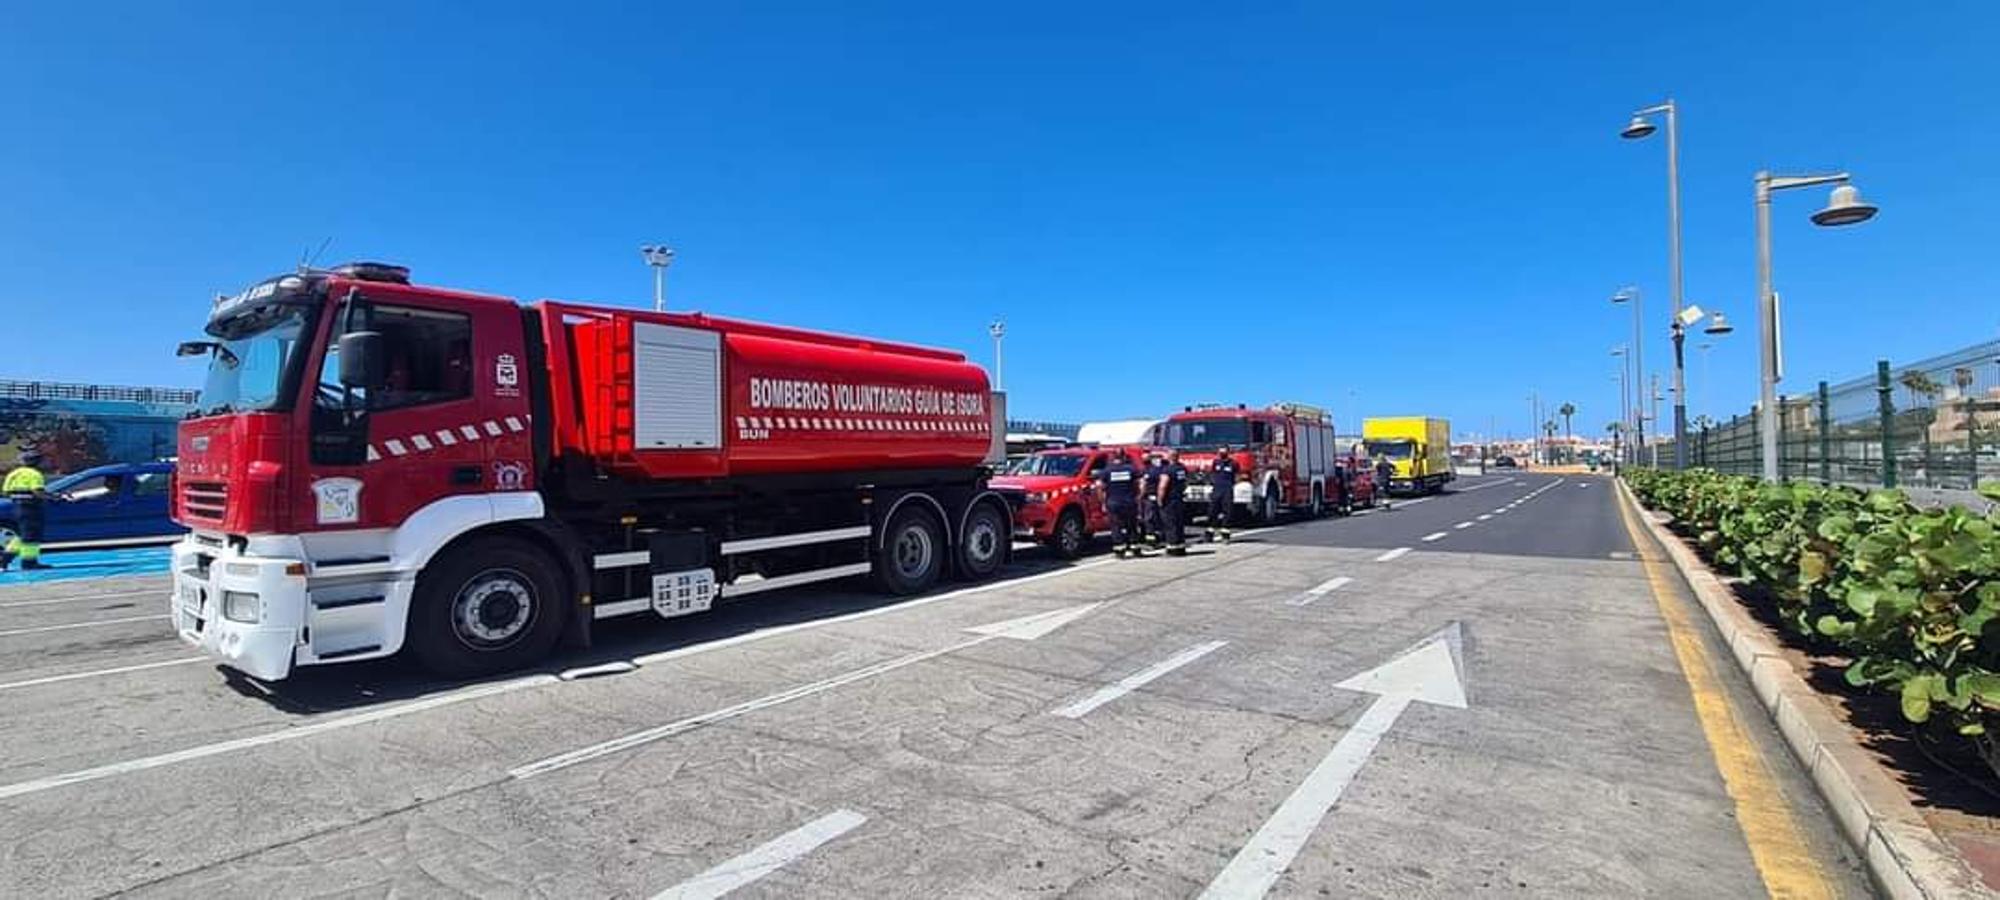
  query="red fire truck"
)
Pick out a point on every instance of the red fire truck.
point(376, 464)
point(1285, 458)
point(1056, 497)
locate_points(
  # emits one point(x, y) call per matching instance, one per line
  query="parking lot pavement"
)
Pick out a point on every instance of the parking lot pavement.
point(1114, 728)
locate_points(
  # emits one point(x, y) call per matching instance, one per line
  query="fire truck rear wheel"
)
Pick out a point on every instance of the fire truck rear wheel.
point(1070, 535)
point(982, 547)
point(490, 605)
point(912, 553)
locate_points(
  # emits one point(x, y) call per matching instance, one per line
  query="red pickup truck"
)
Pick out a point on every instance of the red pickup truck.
point(1056, 498)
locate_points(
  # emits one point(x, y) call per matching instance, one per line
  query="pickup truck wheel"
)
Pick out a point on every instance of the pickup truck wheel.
point(1069, 536)
point(490, 605)
point(983, 545)
point(912, 552)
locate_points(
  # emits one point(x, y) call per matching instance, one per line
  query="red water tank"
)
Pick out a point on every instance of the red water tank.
point(670, 395)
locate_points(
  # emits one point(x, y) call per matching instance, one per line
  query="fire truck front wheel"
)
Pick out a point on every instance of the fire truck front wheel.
point(488, 605)
point(912, 552)
point(1267, 506)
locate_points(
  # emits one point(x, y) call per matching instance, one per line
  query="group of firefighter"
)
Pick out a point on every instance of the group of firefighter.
point(1148, 506)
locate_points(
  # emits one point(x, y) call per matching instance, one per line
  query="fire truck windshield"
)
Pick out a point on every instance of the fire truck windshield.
point(1390, 449)
point(1208, 434)
point(259, 349)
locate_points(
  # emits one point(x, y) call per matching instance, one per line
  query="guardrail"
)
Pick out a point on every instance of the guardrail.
point(58, 390)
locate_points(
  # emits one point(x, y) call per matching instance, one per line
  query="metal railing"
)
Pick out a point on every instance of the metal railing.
point(1934, 423)
point(58, 390)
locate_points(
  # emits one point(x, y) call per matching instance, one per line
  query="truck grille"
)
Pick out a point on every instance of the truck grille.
point(205, 500)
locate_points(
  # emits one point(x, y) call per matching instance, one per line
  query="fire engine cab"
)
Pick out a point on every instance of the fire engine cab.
point(1285, 458)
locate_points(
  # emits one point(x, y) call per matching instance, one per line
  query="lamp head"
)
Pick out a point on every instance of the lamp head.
point(1624, 295)
point(1844, 207)
point(1719, 324)
point(1639, 127)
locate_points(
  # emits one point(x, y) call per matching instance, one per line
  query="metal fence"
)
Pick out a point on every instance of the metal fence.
point(58, 390)
point(1934, 423)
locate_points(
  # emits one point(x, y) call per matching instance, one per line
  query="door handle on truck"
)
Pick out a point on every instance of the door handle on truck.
point(465, 475)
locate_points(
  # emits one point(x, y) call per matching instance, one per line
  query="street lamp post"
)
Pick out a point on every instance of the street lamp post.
point(998, 330)
point(659, 256)
point(1624, 389)
point(1844, 207)
point(1640, 128)
point(1631, 295)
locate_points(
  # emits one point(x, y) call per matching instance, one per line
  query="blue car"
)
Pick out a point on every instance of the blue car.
point(122, 501)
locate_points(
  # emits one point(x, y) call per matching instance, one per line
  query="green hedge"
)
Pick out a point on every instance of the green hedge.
point(1908, 594)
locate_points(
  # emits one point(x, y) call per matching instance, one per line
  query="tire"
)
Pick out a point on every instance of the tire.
point(1267, 506)
point(912, 553)
point(983, 544)
point(1070, 535)
point(1319, 503)
point(490, 605)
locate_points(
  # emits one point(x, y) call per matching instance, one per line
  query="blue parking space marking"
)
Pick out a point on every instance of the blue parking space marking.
point(66, 565)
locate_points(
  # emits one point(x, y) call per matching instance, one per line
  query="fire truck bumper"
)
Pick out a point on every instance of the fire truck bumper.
point(243, 611)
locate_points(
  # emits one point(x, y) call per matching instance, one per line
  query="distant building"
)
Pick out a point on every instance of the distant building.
point(81, 425)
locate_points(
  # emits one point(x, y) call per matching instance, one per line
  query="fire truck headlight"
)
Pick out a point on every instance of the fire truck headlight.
point(1038, 498)
point(241, 607)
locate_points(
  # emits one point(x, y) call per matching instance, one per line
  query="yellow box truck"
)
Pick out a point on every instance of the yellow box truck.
point(1418, 446)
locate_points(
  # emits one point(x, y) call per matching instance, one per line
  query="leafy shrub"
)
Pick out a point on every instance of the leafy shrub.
point(1911, 596)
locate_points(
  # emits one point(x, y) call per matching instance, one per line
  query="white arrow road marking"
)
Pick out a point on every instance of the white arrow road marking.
point(766, 858)
point(1326, 587)
point(1136, 680)
point(1427, 673)
point(1393, 554)
point(1026, 628)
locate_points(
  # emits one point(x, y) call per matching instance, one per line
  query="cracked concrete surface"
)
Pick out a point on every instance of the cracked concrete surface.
point(1579, 768)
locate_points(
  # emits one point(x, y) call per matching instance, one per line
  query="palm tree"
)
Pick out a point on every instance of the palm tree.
point(1569, 438)
point(1922, 387)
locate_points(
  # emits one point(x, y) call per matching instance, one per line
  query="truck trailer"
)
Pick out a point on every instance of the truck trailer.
point(375, 465)
point(1418, 446)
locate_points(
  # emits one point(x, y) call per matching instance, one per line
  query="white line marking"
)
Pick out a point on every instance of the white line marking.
point(1137, 680)
point(1463, 525)
point(765, 859)
point(1500, 511)
point(43, 628)
point(77, 676)
point(1393, 554)
point(748, 637)
point(162, 592)
point(287, 734)
point(1484, 516)
point(1326, 587)
point(1435, 535)
point(679, 726)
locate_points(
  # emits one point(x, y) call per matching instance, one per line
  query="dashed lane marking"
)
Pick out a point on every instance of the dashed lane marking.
point(1433, 536)
point(1136, 680)
point(766, 858)
point(1393, 554)
point(1326, 587)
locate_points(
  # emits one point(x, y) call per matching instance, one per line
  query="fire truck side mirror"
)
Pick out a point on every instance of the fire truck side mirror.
point(361, 361)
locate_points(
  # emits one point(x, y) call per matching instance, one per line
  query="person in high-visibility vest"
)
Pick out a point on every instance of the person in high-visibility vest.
point(29, 490)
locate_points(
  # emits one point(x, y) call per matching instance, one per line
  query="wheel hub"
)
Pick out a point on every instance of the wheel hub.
point(493, 609)
point(913, 551)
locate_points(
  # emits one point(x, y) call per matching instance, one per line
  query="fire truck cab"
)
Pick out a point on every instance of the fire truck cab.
point(1285, 457)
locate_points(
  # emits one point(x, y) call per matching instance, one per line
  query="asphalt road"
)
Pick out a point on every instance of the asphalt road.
point(1144, 728)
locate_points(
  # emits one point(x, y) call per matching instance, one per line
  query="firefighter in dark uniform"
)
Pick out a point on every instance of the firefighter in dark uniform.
point(1120, 481)
point(1173, 514)
point(1149, 499)
point(27, 487)
point(1221, 494)
point(1344, 478)
point(1384, 470)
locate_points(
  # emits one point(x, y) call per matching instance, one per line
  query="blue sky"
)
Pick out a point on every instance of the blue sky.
point(1377, 209)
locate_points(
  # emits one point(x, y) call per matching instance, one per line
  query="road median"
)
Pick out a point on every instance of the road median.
point(1904, 855)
